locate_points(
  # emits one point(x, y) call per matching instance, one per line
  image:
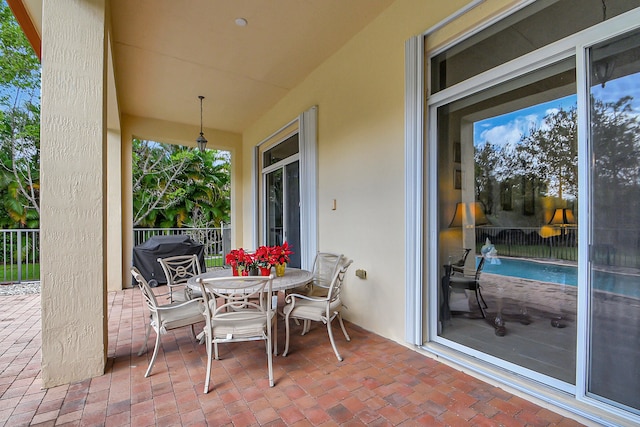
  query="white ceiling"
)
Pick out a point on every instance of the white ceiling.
point(167, 52)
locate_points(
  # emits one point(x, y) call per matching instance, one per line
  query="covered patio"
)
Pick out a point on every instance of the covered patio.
point(378, 383)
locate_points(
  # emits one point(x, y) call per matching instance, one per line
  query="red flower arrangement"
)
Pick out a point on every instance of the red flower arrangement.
point(264, 258)
point(238, 259)
point(280, 254)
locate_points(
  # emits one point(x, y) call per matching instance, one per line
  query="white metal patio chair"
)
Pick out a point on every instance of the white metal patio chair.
point(237, 309)
point(318, 308)
point(178, 269)
point(164, 318)
point(325, 265)
point(471, 283)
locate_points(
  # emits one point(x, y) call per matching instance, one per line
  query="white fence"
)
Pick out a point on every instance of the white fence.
point(20, 248)
point(20, 252)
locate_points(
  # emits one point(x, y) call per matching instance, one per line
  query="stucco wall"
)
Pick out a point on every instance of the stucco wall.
point(359, 92)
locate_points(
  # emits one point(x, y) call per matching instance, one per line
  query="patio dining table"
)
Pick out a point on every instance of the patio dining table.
point(293, 278)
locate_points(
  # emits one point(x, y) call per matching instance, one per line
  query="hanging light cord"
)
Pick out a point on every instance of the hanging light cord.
point(201, 98)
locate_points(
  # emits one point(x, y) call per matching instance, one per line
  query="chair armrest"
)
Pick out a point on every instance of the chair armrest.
point(290, 297)
point(182, 304)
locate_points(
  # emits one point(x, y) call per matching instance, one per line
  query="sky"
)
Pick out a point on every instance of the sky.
point(509, 128)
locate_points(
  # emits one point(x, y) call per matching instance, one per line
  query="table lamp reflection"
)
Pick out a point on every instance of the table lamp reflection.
point(469, 215)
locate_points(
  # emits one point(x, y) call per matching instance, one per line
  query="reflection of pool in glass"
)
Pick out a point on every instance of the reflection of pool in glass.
point(624, 284)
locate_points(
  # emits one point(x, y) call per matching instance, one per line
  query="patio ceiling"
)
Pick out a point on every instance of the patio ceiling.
point(165, 53)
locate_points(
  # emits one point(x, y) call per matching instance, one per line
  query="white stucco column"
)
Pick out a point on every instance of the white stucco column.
point(73, 191)
point(114, 211)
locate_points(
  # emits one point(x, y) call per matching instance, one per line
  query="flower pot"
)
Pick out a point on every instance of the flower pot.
point(234, 268)
point(280, 269)
point(265, 271)
point(253, 271)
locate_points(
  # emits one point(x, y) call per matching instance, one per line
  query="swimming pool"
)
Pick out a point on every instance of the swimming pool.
point(541, 271)
point(623, 284)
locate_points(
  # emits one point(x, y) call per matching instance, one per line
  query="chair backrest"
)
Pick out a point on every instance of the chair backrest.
point(463, 260)
point(180, 268)
point(338, 278)
point(149, 296)
point(480, 267)
point(230, 300)
point(324, 268)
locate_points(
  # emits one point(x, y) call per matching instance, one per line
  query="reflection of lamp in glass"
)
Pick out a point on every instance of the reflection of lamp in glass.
point(469, 214)
point(562, 217)
point(603, 71)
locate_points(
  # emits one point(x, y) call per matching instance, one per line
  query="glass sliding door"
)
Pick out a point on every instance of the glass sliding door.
point(292, 213)
point(282, 196)
point(275, 208)
point(507, 185)
point(614, 258)
point(534, 200)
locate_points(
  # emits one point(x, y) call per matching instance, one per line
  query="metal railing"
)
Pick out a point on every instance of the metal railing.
point(20, 248)
point(527, 242)
point(20, 255)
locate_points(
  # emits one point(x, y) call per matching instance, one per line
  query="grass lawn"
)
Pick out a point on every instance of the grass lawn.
point(214, 261)
point(31, 272)
point(9, 272)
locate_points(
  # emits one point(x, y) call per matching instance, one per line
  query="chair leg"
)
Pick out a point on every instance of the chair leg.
point(270, 360)
point(274, 335)
point(146, 338)
point(333, 344)
point(344, 330)
point(484, 316)
point(482, 298)
point(155, 353)
point(208, 376)
point(306, 326)
point(286, 340)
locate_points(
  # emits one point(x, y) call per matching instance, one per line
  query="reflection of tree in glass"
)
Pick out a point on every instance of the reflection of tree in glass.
point(616, 142)
point(547, 158)
point(485, 165)
point(550, 154)
point(615, 138)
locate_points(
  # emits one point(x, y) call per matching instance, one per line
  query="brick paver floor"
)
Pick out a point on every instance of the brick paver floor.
point(379, 383)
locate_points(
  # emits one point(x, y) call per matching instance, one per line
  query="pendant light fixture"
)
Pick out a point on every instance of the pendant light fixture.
point(201, 140)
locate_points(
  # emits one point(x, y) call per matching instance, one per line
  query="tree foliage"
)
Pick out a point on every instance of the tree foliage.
point(173, 186)
point(176, 186)
point(19, 126)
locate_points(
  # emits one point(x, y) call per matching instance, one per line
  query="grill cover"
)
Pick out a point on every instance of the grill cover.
point(145, 255)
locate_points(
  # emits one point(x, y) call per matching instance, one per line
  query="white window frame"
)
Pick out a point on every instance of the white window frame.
point(307, 128)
